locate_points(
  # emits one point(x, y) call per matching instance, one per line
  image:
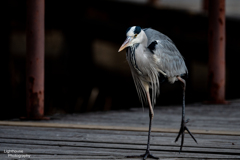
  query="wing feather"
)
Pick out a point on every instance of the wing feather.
point(167, 57)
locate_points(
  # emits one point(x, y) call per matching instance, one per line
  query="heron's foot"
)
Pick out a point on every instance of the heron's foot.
point(145, 155)
point(148, 155)
point(181, 132)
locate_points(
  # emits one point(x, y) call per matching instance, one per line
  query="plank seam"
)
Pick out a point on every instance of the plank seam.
point(118, 128)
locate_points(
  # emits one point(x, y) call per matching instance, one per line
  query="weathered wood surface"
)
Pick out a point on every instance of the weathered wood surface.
point(202, 117)
point(103, 142)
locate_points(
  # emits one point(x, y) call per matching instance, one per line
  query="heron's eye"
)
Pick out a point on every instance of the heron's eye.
point(135, 35)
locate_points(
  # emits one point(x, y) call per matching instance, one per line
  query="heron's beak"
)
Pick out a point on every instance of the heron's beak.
point(125, 43)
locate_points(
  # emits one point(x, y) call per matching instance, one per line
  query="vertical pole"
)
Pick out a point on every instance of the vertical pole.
point(35, 59)
point(216, 63)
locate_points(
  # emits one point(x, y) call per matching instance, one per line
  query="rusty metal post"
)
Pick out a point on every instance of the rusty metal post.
point(216, 40)
point(35, 59)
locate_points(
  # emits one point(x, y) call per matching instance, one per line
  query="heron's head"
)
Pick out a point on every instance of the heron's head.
point(134, 35)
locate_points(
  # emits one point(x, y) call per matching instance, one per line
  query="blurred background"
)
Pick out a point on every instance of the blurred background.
point(83, 70)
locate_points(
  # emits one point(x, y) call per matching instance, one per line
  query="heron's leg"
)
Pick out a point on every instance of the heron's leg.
point(183, 122)
point(147, 154)
point(151, 115)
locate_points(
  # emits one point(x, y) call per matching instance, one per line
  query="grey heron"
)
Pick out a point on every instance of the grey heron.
point(153, 57)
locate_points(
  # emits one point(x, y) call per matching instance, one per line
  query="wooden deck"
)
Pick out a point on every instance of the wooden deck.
point(116, 134)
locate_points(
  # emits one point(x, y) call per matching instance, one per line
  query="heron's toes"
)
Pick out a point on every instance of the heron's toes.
point(148, 155)
point(181, 132)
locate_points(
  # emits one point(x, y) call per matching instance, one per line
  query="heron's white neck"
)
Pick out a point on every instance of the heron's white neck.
point(143, 38)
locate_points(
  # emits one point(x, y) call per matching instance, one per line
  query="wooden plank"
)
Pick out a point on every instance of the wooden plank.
point(123, 128)
point(128, 146)
point(102, 136)
point(118, 153)
point(67, 132)
point(202, 117)
point(132, 140)
point(168, 122)
point(116, 136)
point(93, 157)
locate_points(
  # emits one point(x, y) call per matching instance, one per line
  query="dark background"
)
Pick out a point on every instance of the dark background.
point(83, 70)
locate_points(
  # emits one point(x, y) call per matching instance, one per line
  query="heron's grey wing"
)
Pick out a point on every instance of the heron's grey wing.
point(154, 35)
point(169, 59)
point(165, 54)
